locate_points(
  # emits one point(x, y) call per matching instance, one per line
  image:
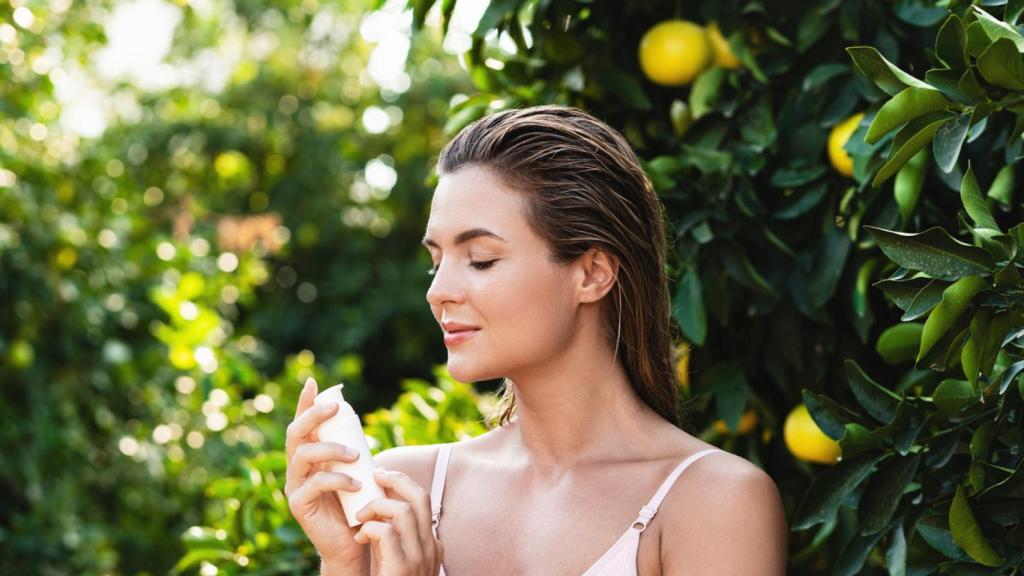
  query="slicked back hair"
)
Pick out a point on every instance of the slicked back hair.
point(586, 189)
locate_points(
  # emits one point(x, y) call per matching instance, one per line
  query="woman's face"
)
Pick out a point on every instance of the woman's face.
point(493, 273)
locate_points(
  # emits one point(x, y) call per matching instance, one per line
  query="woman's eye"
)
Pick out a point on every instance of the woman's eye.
point(475, 265)
point(482, 265)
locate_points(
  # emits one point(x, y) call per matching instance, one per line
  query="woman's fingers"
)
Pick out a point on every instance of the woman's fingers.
point(385, 539)
point(308, 455)
point(303, 501)
point(409, 509)
point(299, 430)
point(398, 514)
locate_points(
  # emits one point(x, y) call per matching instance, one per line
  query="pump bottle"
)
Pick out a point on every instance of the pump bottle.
point(345, 428)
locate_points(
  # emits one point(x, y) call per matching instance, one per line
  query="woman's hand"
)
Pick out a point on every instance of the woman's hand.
point(398, 529)
point(311, 489)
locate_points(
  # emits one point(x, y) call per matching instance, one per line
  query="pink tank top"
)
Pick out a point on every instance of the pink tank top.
point(620, 559)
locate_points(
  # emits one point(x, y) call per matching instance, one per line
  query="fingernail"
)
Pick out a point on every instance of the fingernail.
point(309, 382)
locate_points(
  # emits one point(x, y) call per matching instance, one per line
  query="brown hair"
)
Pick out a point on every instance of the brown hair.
point(586, 189)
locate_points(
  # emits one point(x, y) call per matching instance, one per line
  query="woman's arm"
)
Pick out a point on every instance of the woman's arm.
point(728, 519)
point(328, 568)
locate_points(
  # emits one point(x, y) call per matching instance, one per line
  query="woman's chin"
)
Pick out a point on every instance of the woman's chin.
point(465, 372)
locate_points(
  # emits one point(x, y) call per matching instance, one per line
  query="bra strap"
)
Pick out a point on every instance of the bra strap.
point(648, 511)
point(437, 486)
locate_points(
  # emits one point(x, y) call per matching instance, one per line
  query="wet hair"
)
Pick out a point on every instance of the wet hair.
point(586, 189)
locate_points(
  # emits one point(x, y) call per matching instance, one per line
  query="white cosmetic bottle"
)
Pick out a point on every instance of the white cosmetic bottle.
point(345, 428)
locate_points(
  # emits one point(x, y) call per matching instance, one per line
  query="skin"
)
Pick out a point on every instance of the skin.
point(556, 487)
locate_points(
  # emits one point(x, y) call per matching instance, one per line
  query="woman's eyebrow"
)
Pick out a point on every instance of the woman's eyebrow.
point(466, 236)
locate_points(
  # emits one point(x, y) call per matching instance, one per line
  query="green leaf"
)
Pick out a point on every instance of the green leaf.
point(949, 314)
point(935, 531)
point(909, 181)
point(876, 400)
point(951, 43)
point(996, 29)
point(822, 73)
point(828, 266)
point(495, 13)
point(933, 252)
point(967, 534)
point(899, 343)
point(797, 174)
point(908, 141)
point(949, 140)
point(1002, 187)
point(910, 103)
point(926, 299)
point(883, 492)
point(883, 73)
point(689, 307)
point(974, 348)
point(626, 87)
point(896, 555)
point(902, 292)
point(853, 555)
point(951, 394)
point(1001, 64)
point(447, 9)
point(857, 439)
point(1009, 375)
point(730, 392)
point(806, 199)
point(830, 488)
point(704, 92)
point(1013, 11)
point(831, 416)
point(739, 267)
point(974, 203)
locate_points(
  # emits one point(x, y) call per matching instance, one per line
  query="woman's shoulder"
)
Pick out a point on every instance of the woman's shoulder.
point(720, 500)
point(416, 462)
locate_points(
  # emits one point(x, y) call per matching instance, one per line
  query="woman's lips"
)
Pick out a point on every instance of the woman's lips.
point(458, 337)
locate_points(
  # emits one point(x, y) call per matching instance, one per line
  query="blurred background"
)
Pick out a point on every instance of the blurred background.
point(205, 202)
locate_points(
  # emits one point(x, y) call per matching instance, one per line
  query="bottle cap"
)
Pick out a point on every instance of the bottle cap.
point(333, 395)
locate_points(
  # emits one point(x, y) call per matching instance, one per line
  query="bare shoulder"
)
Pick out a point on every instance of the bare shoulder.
point(724, 516)
point(416, 462)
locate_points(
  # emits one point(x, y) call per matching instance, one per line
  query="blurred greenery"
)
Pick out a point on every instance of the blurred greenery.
point(168, 284)
point(184, 242)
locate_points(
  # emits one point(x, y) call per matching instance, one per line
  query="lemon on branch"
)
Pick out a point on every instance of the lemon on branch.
point(674, 52)
point(837, 140)
point(724, 56)
point(806, 440)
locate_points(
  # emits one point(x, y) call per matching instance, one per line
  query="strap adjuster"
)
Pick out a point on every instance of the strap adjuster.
point(647, 512)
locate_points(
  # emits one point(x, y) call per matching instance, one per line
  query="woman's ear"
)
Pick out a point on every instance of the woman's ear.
point(599, 271)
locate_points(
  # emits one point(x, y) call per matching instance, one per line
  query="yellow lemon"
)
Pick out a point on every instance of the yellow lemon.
point(837, 139)
point(747, 423)
point(683, 366)
point(806, 441)
point(720, 46)
point(674, 52)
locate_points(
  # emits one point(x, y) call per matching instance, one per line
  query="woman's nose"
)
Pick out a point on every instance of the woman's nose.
point(443, 287)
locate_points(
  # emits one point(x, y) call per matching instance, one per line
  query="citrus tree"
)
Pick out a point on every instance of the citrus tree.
point(807, 219)
point(167, 284)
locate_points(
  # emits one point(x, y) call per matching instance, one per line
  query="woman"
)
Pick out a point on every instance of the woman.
point(548, 249)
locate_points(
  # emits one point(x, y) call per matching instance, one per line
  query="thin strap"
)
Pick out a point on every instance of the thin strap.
point(647, 512)
point(437, 487)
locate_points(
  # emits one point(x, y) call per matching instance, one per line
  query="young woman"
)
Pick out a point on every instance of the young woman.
point(548, 248)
